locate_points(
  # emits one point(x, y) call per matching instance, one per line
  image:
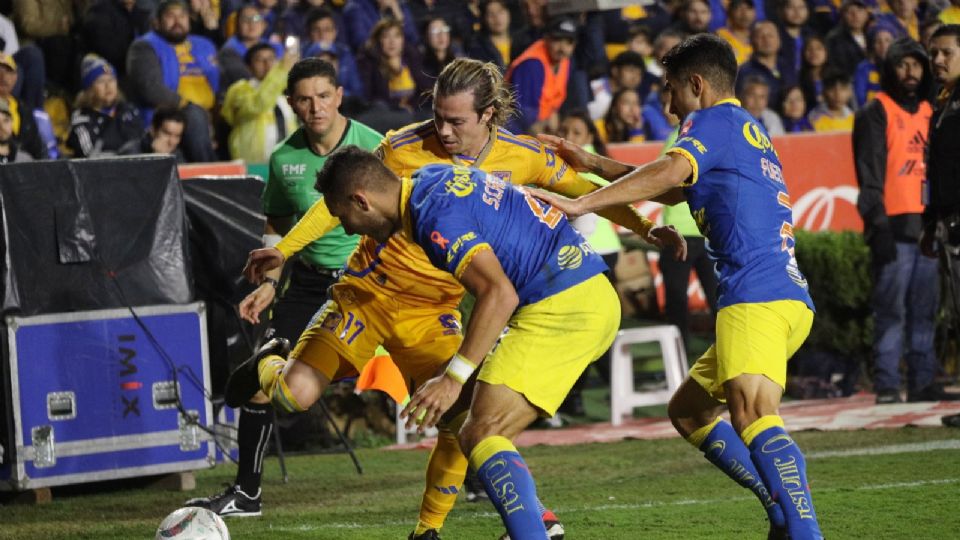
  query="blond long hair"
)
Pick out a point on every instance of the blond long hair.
point(484, 80)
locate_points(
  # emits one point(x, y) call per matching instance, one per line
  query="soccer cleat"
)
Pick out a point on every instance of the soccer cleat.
point(551, 523)
point(429, 534)
point(244, 382)
point(934, 392)
point(951, 420)
point(232, 502)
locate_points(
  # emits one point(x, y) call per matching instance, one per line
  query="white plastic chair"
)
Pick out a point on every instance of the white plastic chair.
point(624, 396)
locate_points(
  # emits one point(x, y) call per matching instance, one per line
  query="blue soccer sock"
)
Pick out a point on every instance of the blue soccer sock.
point(722, 446)
point(510, 486)
point(784, 471)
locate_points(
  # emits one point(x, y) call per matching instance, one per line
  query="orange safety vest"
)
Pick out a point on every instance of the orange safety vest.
point(906, 139)
point(554, 84)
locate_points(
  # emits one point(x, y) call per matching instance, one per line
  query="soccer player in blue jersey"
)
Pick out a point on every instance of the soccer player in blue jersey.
point(530, 272)
point(724, 165)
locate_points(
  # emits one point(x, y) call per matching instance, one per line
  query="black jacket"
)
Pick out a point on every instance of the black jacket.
point(943, 160)
point(109, 29)
point(843, 50)
point(870, 156)
point(93, 132)
point(28, 138)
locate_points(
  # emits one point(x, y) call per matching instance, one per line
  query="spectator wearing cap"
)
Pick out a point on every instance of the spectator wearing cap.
point(9, 151)
point(255, 108)
point(866, 77)
point(847, 43)
point(902, 19)
point(251, 30)
point(741, 14)
point(540, 75)
point(170, 67)
point(492, 43)
point(101, 122)
point(109, 27)
point(31, 73)
point(626, 71)
point(23, 125)
point(323, 32)
point(766, 61)
point(360, 17)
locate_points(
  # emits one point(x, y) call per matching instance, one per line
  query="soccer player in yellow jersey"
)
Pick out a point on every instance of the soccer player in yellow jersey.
point(390, 293)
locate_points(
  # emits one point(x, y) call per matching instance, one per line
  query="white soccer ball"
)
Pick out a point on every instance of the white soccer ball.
point(192, 523)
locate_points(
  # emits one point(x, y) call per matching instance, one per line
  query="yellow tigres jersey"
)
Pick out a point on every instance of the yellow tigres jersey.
point(400, 269)
point(742, 50)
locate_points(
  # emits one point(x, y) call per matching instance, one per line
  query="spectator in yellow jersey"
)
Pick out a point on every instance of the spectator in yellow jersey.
point(170, 67)
point(834, 114)
point(741, 15)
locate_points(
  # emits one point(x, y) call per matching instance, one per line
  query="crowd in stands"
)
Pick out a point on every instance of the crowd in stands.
point(82, 78)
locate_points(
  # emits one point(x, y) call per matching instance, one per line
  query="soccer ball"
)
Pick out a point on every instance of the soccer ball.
point(192, 523)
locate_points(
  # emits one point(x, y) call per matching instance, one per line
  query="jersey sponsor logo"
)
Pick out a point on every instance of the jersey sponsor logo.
point(715, 450)
point(461, 184)
point(771, 170)
point(695, 142)
point(439, 240)
point(790, 480)
point(756, 137)
point(570, 257)
point(292, 169)
point(458, 243)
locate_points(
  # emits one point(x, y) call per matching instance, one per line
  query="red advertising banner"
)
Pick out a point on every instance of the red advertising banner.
point(818, 169)
point(219, 168)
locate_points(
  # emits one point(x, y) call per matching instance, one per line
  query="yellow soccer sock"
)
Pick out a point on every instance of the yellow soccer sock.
point(274, 386)
point(445, 473)
point(759, 426)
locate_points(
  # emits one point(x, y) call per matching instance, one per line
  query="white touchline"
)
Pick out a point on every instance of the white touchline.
point(949, 444)
point(928, 446)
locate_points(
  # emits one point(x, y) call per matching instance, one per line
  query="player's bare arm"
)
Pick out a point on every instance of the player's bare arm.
point(496, 301)
point(265, 276)
point(644, 183)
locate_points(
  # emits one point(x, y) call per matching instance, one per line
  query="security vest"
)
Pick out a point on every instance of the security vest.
point(906, 139)
point(554, 84)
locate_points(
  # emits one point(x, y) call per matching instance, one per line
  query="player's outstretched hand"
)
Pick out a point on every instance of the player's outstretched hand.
point(570, 207)
point(253, 305)
point(667, 235)
point(430, 401)
point(260, 261)
point(574, 155)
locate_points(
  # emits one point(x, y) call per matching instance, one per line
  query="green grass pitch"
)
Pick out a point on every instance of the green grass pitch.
point(866, 484)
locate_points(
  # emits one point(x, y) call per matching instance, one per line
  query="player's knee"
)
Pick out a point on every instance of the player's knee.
point(260, 398)
point(472, 433)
